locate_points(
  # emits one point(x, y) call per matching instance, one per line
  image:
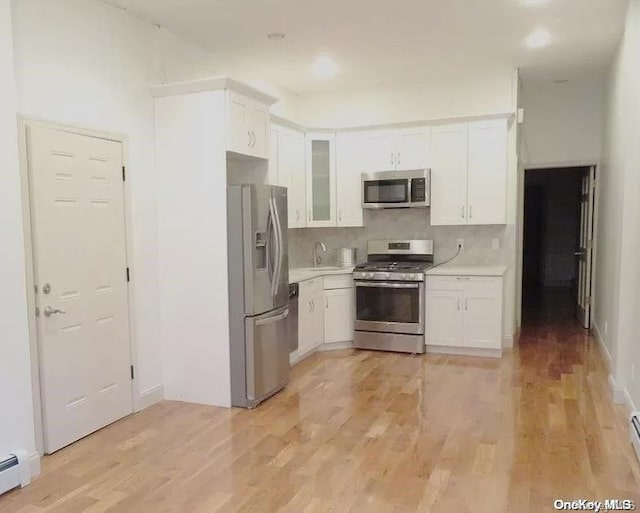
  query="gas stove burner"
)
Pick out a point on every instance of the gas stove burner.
point(396, 261)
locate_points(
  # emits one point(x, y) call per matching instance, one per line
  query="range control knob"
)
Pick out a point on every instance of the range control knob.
point(369, 275)
point(403, 276)
point(413, 276)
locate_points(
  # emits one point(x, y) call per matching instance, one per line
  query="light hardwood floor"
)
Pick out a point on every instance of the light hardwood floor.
point(368, 432)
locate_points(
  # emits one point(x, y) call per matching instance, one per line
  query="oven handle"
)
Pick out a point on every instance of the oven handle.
point(386, 285)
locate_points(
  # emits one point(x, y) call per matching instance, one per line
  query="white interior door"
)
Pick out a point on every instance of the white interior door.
point(585, 249)
point(78, 226)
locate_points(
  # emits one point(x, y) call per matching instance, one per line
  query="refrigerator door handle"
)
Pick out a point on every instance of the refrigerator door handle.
point(280, 259)
point(269, 248)
point(275, 318)
point(274, 276)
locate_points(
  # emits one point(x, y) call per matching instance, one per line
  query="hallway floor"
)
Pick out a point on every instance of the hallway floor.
point(369, 432)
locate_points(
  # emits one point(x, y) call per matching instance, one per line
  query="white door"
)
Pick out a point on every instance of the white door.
point(258, 125)
point(321, 180)
point(297, 186)
point(274, 164)
point(412, 149)
point(338, 315)
point(449, 175)
point(380, 151)
point(78, 225)
point(585, 251)
point(482, 318)
point(443, 317)
point(350, 150)
point(487, 172)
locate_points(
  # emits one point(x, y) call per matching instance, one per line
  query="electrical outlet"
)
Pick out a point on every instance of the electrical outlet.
point(495, 243)
point(606, 327)
point(460, 244)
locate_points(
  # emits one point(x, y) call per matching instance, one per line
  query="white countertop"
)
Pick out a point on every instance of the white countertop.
point(308, 273)
point(470, 270)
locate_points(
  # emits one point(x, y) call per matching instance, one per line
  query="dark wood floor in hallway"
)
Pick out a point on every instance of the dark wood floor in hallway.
point(369, 432)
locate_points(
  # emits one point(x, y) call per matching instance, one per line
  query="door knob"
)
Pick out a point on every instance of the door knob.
point(48, 311)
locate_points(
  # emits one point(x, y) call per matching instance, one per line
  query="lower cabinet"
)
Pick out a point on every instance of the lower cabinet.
point(338, 315)
point(464, 312)
point(310, 316)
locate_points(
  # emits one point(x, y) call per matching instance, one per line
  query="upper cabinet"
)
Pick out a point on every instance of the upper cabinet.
point(469, 165)
point(397, 150)
point(351, 151)
point(247, 126)
point(287, 169)
point(321, 179)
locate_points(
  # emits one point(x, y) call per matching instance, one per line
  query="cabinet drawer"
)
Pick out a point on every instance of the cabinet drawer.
point(466, 282)
point(338, 281)
point(311, 287)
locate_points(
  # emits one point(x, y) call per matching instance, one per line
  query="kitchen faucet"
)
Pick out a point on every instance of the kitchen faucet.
point(317, 260)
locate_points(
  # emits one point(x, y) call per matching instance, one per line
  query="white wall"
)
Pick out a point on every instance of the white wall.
point(617, 272)
point(562, 121)
point(492, 92)
point(16, 427)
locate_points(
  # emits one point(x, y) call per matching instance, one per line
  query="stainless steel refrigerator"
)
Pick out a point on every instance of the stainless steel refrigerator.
point(258, 291)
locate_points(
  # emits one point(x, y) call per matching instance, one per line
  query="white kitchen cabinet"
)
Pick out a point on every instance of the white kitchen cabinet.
point(247, 126)
point(464, 311)
point(310, 316)
point(449, 174)
point(350, 164)
point(397, 150)
point(469, 173)
point(287, 169)
point(487, 172)
point(444, 325)
point(321, 179)
point(339, 307)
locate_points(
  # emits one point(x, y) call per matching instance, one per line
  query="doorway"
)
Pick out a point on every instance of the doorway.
point(80, 281)
point(559, 206)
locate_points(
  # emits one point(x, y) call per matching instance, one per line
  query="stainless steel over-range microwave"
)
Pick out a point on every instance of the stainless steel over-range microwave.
point(396, 189)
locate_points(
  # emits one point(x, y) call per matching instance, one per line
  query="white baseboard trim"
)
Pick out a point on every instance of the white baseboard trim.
point(335, 346)
point(507, 342)
point(35, 467)
point(617, 393)
point(606, 355)
point(465, 351)
point(151, 396)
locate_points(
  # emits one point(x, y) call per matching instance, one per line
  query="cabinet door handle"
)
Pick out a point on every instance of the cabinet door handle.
point(458, 304)
point(249, 143)
point(297, 214)
point(340, 215)
point(398, 159)
point(326, 302)
point(466, 303)
point(462, 211)
point(310, 307)
point(391, 158)
point(470, 212)
point(309, 215)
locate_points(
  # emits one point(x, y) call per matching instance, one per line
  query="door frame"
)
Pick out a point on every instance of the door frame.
point(34, 347)
point(522, 169)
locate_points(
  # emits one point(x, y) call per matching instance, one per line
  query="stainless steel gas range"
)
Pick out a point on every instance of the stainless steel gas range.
point(390, 295)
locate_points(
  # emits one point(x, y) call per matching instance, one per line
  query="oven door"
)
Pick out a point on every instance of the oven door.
point(390, 307)
point(387, 193)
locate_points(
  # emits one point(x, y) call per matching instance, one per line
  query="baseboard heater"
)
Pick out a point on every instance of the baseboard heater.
point(14, 472)
point(634, 432)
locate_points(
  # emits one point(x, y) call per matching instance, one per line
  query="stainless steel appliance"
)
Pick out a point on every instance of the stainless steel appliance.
point(390, 295)
point(258, 292)
point(393, 189)
point(292, 325)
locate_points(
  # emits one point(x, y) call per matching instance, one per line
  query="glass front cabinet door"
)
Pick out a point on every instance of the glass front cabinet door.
point(321, 179)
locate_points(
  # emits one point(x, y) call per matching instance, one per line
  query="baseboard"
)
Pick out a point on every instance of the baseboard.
point(335, 346)
point(507, 342)
point(35, 467)
point(465, 351)
point(618, 394)
point(602, 346)
point(151, 396)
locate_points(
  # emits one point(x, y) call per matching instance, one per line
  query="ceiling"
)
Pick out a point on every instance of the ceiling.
point(382, 42)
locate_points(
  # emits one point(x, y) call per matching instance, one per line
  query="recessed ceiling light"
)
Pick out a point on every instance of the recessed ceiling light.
point(534, 2)
point(276, 36)
point(561, 81)
point(325, 67)
point(538, 38)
